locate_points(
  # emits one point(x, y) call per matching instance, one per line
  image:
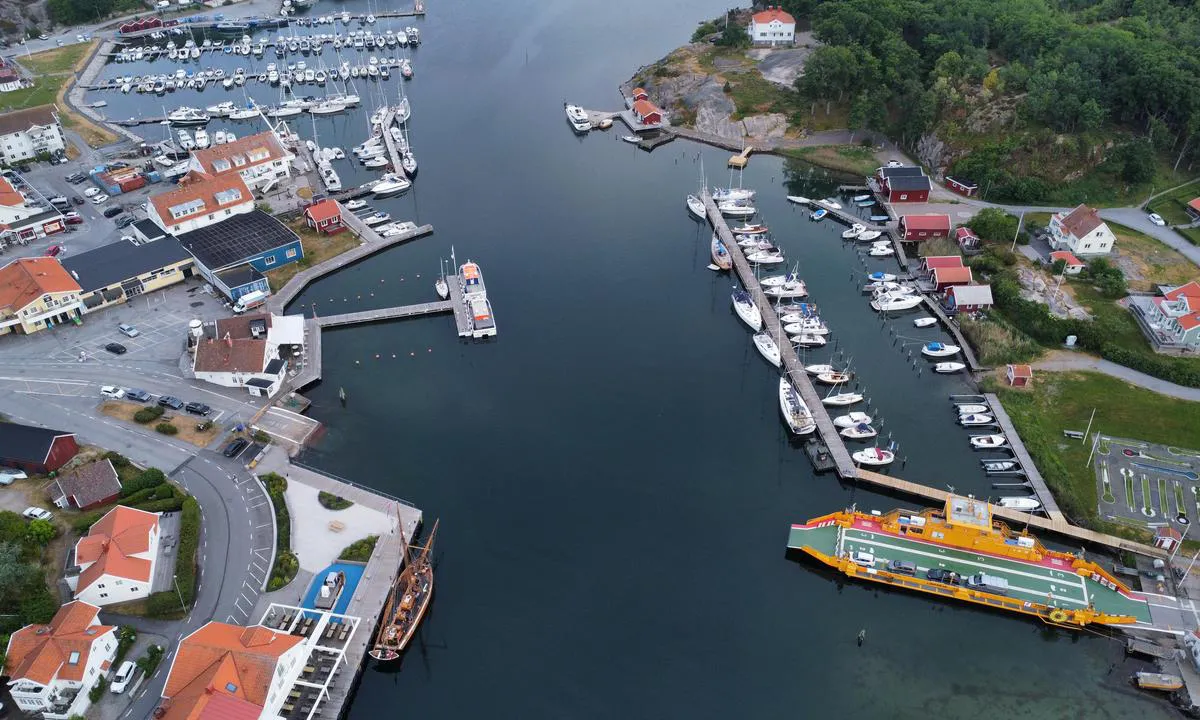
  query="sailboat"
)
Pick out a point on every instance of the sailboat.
point(768, 348)
point(796, 414)
point(696, 206)
point(720, 254)
point(406, 603)
point(441, 286)
point(744, 305)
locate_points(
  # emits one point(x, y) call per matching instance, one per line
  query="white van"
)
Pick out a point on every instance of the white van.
point(250, 300)
point(862, 559)
point(111, 391)
point(121, 680)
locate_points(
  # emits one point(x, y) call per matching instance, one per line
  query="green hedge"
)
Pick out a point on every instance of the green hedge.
point(329, 501)
point(148, 414)
point(361, 550)
point(148, 478)
point(166, 428)
point(286, 563)
point(189, 543)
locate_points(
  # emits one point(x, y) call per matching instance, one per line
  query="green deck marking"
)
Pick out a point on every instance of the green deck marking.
point(1147, 501)
point(1108, 496)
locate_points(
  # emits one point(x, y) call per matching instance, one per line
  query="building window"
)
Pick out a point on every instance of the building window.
point(291, 253)
point(269, 260)
point(103, 595)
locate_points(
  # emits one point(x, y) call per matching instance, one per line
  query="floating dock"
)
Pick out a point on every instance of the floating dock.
point(389, 313)
point(1031, 472)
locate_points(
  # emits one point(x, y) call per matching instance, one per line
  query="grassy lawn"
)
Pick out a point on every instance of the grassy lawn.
point(752, 94)
point(317, 249)
point(57, 61)
point(1064, 401)
point(1158, 264)
point(853, 159)
point(1172, 205)
point(1191, 234)
point(184, 424)
point(1120, 326)
point(53, 71)
point(997, 344)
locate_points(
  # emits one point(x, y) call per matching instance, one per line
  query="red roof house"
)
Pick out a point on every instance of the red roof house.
point(968, 298)
point(965, 188)
point(1073, 264)
point(966, 238)
point(944, 277)
point(325, 217)
point(914, 228)
point(647, 112)
point(1193, 208)
point(932, 262)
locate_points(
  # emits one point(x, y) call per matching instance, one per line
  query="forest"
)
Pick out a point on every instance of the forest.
point(1120, 77)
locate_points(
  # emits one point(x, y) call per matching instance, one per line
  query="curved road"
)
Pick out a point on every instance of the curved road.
point(1059, 361)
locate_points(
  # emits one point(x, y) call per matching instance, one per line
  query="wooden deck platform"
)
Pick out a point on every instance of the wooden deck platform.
point(1137, 646)
point(389, 313)
point(1027, 464)
point(393, 152)
point(310, 372)
point(791, 362)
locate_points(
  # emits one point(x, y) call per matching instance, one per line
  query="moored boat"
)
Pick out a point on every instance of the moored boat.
point(696, 206)
point(795, 412)
point(923, 322)
point(720, 254)
point(971, 408)
point(873, 457)
point(407, 602)
point(577, 117)
point(949, 367)
point(809, 340)
point(818, 369)
point(818, 214)
point(893, 302)
point(767, 348)
point(1024, 504)
point(995, 466)
point(842, 399)
point(868, 235)
point(745, 308)
point(973, 419)
point(1157, 681)
point(855, 230)
point(937, 349)
point(852, 419)
point(834, 378)
point(862, 431)
point(984, 442)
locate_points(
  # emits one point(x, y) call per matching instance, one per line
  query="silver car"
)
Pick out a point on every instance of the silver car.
point(128, 330)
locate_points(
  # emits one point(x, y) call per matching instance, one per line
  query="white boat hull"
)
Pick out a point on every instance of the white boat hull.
point(939, 351)
point(748, 312)
point(983, 442)
point(874, 457)
point(925, 322)
point(947, 368)
point(972, 409)
point(842, 399)
point(851, 419)
point(768, 349)
point(795, 413)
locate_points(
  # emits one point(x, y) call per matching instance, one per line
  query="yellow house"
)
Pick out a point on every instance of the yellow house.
point(35, 294)
point(117, 272)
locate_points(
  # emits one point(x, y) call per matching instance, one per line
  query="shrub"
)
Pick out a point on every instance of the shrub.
point(84, 522)
point(164, 491)
point(360, 551)
point(126, 636)
point(117, 459)
point(171, 504)
point(189, 543)
point(166, 428)
point(144, 416)
point(164, 604)
point(284, 571)
point(260, 437)
point(148, 663)
point(329, 501)
point(41, 532)
point(148, 478)
point(97, 690)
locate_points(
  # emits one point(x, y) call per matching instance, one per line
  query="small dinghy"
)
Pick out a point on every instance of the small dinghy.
point(767, 348)
point(354, 204)
point(842, 399)
point(818, 214)
point(852, 419)
point(937, 349)
point(881, 252)
point(881, 277)
point(745, 308)
point(874, 457)
point(860, 198)
point(995, 466)
point(834, 378)
point(984, 442)
point(818, 369)
point(868, 236)
point(633, 139)
point(972, 409)
point(924, 322)
point(1024, 504)
point(862, 431)
point(974, 419)
point(949, 367)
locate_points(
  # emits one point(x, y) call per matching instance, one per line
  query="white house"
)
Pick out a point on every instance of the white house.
point(52, 667)
point(1082, 232)
point(200, 200)
point(772, 26)
point(248, 351)
point(260, 159)
point(26, 133)
point(24, 213)
point(115, 561)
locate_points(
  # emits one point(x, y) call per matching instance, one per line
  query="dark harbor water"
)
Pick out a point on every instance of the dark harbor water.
point(613, 480)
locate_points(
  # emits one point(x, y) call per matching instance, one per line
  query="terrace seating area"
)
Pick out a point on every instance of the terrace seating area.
point(327, 635)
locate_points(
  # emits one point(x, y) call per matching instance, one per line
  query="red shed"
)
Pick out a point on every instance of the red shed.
point(640, 94)
point(324, 217)
point(968, 298)
point(933, 262)
point(924, 227)
point(907, 188)
point(647, 112)
point(35, 450)
point(944, 277)
point(965, 188)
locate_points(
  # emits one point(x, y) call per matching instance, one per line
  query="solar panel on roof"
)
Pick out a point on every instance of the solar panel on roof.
point(237, 239)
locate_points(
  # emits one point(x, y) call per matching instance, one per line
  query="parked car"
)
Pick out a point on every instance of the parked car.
point(112, 391)
point(171, 401)
point(113, 211)
point(125, 221)
point(197, 408)
point(128, 330)
point(76, 199)
point(74, 219)
point(7, 476)
point(97, 199)
point(75, 177)
point(91, 192)
point(54, 251)
point(37, 513)
point(945, 576)
point(138, 395)
point(116, 348)
point(235, 448)
point(124, 674)
point(1157, 219)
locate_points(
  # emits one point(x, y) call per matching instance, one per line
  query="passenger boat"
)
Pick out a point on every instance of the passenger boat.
point(483, 323)
point(896, 301)
point(862, 431)
point(809, 340)
point(937, 349)
point(745, 308)
point(983, 442)
point(1024, 504)
point(852, 419)
point(720, 254)
point(187, 116)
point(923, 322)
point(842, 399)
point(696, 206)
point(973, 419)
point(1157, 681)
point(767, 348)
point(406, 602)
point(470, 280)
point(855, 230)
point(577, 117)
point(818, 214)
point(949, 367)
point(971, 408)
point(834, 378)
point(960, 552)
point(868, 235)
point(999, 465)
point(796, 414)
point(873, 456)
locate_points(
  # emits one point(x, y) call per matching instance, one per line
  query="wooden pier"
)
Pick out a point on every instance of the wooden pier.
point(968, 354)
point(393, 152)
point(791, 362)
point(389, 313)
point(1031, 472)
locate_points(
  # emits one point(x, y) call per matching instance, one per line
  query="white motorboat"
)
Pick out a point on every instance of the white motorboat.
point(732, 194)
point(974, 419)
point(327, 107)
point(834, 378)
point(244, 113)
point(798, 199)
point(796, 414)
point(818, 214)
point(776, 280)
point(577, 117)
point(285, 111)
point(881, 252)
point(855, 230)
point(202, 140)
point(999, 465)
point(376, 218)
point(983, 442)
point(868, 235)
point(354, 204)
point(733, 209)
point(185, 140)
point(408, 162)
point(631, 139)
point(808, 323)
point(809, 340)
point(937, 349)
point(852, 419)
point(831, 204)
point(221, 109)
point(793, 289)
point(220, 137)
point(745, 308)
point(390, 184)
point(766, 257)
point(874, 456)
point(767, 348)
point(880, 276)
point(187, 116)
point(755, 243)
point(818, 369)
point(163, 160)
point(949, 367)
point(842, 399)
point(862, 431)
point(972, 408)
point(892, 302)
point(1024, 504)
point(696, 206)
point(923, 322)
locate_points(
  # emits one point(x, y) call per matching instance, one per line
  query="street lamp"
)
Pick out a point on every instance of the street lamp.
point(1017, 234)
point(182, 606)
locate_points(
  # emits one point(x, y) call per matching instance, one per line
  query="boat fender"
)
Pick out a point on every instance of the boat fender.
point(1058, 616)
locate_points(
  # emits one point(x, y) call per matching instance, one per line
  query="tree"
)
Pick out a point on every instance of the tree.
point(41, 532)
point(994, 225)
point(1138, 162)
point(13, 574)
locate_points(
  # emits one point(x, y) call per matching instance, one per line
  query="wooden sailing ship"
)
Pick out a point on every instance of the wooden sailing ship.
point(406, 603)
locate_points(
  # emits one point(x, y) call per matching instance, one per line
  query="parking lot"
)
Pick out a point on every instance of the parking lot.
point(1146, 484)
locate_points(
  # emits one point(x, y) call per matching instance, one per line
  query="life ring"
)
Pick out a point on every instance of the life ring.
point(1058, 616)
